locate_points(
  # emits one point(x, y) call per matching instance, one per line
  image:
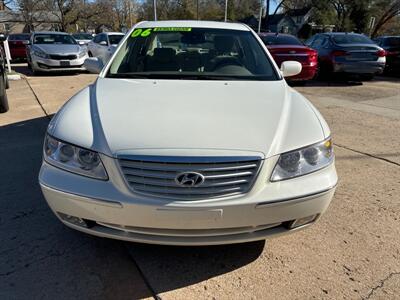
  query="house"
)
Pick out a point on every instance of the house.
point(290, 21)
point(14, 21)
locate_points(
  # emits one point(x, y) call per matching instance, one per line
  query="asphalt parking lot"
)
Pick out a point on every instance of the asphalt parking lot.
point(353, 252)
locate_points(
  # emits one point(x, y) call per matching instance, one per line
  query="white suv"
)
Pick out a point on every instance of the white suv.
point(189, 136)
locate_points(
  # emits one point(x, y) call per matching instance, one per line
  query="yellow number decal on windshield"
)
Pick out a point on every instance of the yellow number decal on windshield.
point(147, 32)
point(142, 33)
point(136, 32)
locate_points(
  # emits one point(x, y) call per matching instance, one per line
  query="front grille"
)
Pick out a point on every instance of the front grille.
point(222, 178)
point(63, 57)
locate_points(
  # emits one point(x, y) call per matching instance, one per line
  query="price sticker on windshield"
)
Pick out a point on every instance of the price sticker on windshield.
point(145, 32)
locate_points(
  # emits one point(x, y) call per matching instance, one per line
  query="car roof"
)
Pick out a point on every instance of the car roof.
point(275, 34)
point(388, 36)
point(342, 33)
point(194, 24)
point(50, 32)
point(23, 33)
point(112, 33)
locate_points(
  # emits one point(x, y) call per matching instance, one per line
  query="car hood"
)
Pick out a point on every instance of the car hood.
point(58, 48)
point(126, 116)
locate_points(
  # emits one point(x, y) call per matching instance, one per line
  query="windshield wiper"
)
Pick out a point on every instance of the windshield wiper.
point(173, 76)
point(128, 75)
point(206, 77)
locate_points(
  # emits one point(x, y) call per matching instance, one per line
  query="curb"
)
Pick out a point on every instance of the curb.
point(14, 77)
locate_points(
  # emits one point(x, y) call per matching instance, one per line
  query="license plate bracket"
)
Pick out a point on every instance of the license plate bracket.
point(64, 63)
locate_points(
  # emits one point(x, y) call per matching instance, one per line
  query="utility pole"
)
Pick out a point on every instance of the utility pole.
point(260, 17)
point(155, 9)
point(226, 10)
point(198, 10)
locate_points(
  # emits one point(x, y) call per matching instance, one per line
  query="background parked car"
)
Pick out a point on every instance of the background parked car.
point(18, 43)
point(349, 53)
point(285, 47)
point(82, 38)
point(104, 44)
point(3, 79)
point(391, 44)
point(55, 51)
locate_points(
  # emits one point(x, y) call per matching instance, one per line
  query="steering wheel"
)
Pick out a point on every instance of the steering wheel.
point(226, 61)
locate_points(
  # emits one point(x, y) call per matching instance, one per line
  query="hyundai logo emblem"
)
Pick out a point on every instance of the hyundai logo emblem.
point(189, 179)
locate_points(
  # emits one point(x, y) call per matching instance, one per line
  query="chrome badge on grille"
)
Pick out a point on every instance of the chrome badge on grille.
point(189, 179)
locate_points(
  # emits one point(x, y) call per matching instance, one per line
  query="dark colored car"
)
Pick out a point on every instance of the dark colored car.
point(349, 53)
point(285, 47)
point(3, 79)
point(17, 44)
point(391, 44)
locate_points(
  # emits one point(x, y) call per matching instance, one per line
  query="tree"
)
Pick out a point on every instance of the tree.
point(389, 9)
point(30, 11)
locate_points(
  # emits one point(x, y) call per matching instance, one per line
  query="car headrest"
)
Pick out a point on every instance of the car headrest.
point(164, 54)
point(224, 43)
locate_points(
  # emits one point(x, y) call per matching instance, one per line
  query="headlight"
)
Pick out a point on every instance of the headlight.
point(82, 53)
point(303, 161)
point(40, 53)
point(74, 159)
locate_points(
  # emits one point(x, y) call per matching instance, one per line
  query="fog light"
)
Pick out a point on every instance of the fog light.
point(73, 220)
point(302, 221)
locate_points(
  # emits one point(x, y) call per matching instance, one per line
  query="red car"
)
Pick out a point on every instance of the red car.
point(17, 44)
point(285, 47)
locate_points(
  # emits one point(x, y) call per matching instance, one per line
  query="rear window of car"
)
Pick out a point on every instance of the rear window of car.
point(280, 40)
point(18, 37)
point(351, 39)
point(115, 39)
point(392, 41)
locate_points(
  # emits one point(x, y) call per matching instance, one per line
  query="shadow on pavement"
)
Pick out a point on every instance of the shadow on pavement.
point(23, 69)
point(42, 258)
point(39, 256)
point(169, 268)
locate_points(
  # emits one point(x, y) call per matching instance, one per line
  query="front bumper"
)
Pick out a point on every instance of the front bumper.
point(49, 65)
point(111, 210)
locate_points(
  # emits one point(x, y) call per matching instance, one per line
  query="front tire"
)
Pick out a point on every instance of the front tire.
point(3, 96)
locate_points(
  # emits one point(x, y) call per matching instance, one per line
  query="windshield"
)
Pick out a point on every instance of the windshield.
point(192, 53)
point(351, 39)
point(280, 40)
point(18, 37)
point(392, 41)
point(63, 39)
point(82, 36)
point(115, 39)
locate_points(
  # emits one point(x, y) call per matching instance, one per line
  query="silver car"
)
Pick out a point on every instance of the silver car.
point(104, 45)
point(55, 51)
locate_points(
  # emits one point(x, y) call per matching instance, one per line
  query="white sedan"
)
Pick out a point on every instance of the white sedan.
point(189, 136)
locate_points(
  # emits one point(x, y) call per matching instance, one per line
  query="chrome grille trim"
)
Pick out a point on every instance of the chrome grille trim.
point(224, 176)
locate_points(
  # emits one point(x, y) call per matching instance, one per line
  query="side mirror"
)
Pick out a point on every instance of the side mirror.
point(81, 43)
point(103, 43)
point(93, 65)
point(2, 37)
point(290, 68)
